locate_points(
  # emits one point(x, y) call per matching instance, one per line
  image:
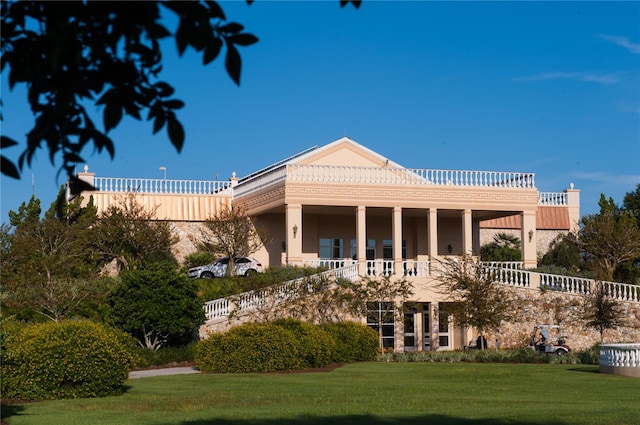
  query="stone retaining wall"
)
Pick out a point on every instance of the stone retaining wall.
point(537, 307)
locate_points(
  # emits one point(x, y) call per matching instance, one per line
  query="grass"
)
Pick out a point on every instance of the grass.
point(359, 394)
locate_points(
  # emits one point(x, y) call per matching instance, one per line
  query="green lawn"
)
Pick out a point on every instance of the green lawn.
point(359, 394)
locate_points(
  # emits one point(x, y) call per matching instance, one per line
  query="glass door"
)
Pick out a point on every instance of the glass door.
point(444, 328)
point(410, 331)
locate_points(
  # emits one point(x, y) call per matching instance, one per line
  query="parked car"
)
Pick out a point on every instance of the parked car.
point(244, 266)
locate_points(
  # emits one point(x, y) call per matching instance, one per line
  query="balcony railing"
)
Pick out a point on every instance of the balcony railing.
point(553, 198)
point(383, 175)
point(162, 186)
point(620, 359)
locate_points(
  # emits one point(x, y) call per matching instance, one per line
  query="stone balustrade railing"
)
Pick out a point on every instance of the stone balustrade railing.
point(163, 186)
point(385, 175)
point(553, 198)
point(250, 301)
point(620, 359)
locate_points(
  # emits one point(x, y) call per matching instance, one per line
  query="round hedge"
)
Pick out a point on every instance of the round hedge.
point(316, 345)
point(67, 359)
point(251, 347)
point(355, 342)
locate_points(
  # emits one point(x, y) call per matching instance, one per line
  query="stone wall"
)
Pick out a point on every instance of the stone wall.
point(188, 233)
point(538, 307)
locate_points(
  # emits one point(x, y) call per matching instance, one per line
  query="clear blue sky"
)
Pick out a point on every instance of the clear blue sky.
point(544, 87)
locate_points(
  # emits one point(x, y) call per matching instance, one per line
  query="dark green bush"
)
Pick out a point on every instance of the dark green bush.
point(355, 342)
point(197, 259)
point(66, 359)
point(316, 345)
point(156, 304)
point(252, 347)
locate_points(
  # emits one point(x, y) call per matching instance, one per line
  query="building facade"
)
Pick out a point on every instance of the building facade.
point(344, 204)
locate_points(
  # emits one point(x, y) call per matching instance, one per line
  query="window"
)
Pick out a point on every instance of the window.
point(354, 250)
point(371, 249)
point(382, 314)
point(331, 248)
point(387, 249)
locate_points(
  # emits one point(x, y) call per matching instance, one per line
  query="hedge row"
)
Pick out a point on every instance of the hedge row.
point(285, 344)
point(67, 359)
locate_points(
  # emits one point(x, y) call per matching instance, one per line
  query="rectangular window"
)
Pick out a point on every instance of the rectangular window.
point(354, 249)
point(331, 249)
point(387, 249)
point(371, 249)
point(382, 314)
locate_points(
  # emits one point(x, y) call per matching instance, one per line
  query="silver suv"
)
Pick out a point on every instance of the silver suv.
point(245, 266)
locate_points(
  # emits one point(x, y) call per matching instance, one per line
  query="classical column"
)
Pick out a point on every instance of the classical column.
point(396, 237)
point(361, 239)
point(467, 233)
point(528, 238)
point(432, 235)
point(293, 223)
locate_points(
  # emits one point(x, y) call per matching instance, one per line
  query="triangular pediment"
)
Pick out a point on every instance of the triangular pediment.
point(344, 152)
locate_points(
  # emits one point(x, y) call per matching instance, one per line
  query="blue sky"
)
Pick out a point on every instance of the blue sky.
point(545, 87)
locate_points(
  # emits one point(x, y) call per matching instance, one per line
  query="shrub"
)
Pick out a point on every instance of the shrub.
point(355, 342)
point(156, 304)
point(316, 345)
point(67, 359)
point(252, 347)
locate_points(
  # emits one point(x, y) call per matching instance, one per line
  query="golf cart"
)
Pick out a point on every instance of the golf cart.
point(548, 339)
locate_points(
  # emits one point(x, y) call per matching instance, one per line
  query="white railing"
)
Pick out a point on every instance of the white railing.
point(581, 285)
point(553, 198)
point(249, 301)
point(414, 268)
point(184, 187)
point(621, 359)
point(508, 273)
point(383, 175)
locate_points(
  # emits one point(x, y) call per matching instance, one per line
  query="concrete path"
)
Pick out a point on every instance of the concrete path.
point(163, 372)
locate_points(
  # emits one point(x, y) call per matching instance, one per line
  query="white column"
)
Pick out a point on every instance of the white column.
point(467, 233)
point(396, 237)
point(293, 220)
point(361, 239)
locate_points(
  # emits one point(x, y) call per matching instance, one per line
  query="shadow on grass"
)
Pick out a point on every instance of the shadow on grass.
point(8, 410)
point(367, 420)
point(589, 369)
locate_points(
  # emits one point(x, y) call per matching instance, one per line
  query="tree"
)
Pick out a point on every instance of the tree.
point(130, 234)
point(233, 234)
point(504, 247)
point(104, 54)
point(476, 299)
point(600, 311)
point(381, 300)
point(564, 252)
point(46, 267)
point(156, 304)
point(609, 239)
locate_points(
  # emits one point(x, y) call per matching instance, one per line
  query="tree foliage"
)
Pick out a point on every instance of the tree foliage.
point(46, 266)
point(609, 239)
point(564, 252)
point(156, 304)
point(109, 55)
point(130, 234)
point(476, 299)
point(600, 311)
point(504, 247)
point(232, 233)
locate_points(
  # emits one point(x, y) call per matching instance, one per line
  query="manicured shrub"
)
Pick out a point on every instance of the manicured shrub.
point(316, 345)
point(355, 342)
point(251, 347)
point(67, 359)
point(157, 305)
